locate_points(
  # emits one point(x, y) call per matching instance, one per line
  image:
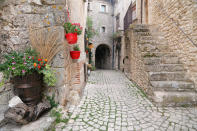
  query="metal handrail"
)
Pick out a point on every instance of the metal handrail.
point(168, 16)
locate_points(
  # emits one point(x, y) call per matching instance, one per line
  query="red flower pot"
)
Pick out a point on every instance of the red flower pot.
point(71, 38)
point(75, 54)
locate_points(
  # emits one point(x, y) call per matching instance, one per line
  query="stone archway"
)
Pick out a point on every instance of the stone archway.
point(103, 57)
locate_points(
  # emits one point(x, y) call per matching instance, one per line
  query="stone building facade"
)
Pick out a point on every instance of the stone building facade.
point(159, 49)
point(101, 12)
point(17, 16)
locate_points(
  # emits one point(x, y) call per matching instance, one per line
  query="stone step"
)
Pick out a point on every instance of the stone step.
point(164, 67)
point(141, 30)
point(172, 85)
point(176, 98)
point(141, 26)
point(3, 108)
point(153, 48)
point(168, 76)
point(152, 42)
point(144, 33)
point(146, 37)
point(158, 54)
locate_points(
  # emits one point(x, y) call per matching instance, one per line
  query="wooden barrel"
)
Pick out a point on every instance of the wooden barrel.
point(29, 88)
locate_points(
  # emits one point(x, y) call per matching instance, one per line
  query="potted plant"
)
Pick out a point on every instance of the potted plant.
point(27, 73)
point(72, 30)
point(88, 50)
point(75, 54)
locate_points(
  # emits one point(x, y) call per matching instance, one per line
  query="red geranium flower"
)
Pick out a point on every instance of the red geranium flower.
point(39, 66)
point(39, 59)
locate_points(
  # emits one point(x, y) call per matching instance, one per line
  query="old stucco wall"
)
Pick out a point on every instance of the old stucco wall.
point(173, 16)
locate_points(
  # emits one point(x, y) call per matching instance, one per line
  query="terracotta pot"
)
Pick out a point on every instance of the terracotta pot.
point(71, 38)
point(75, 54)
point(28, 88)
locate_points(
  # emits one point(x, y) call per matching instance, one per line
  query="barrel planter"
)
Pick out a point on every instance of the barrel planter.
point(75, 54)
point(71, 38)
point(28, 88)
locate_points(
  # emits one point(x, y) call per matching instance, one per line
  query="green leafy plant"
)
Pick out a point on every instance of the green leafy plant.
point(76, 48)
point(49, 76)
point(73, 28)
point(24, 63)
point(58, 117)
point(88, 50)
point(90, 31)
point(93, 68)
point(2, 83)
point(116, 36)
point(52, 100)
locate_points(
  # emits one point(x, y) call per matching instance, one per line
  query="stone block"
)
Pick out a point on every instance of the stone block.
point(58, 60)
point(164, 98)
point(61, 76)
point(37, 2)
point(59, 18)
point(63, 94)
point(52, 2)
point(24, 8)
point(5, 97)
point(74, 97)
point(22, 21)
point(171, 76)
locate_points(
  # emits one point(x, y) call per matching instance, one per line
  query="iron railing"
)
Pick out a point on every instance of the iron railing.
point(128, 18)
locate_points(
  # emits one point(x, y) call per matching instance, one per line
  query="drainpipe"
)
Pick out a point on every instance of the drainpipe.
point(141, 10)
point(112, 2)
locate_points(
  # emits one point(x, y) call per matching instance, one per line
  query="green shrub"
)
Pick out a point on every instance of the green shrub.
point(49, 76)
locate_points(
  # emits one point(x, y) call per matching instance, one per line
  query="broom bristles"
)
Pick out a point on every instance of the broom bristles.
point(46, 43)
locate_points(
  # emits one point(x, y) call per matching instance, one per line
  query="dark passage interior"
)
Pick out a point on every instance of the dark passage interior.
point(102, 57)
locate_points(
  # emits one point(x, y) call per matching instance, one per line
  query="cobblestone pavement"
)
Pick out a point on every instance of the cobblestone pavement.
point(112, 103)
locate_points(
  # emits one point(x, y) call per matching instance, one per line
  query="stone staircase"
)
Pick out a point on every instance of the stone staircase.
point(167, 76)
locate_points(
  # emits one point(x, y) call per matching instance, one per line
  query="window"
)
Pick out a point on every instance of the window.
point(103, 29)
point(117, 21)
point(89, 6)
point(103, 8)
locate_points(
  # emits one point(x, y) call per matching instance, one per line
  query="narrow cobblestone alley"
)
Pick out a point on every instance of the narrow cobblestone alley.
point(112, 103)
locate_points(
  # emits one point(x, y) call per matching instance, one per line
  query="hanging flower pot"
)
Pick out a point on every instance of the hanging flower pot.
point(75, 54)
point(72, 30)
point(91, 46)
point(71, 38)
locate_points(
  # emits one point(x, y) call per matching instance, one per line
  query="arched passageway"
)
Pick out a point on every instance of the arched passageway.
point(103, 57)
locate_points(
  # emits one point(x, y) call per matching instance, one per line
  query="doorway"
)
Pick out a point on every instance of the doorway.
point(103, 57)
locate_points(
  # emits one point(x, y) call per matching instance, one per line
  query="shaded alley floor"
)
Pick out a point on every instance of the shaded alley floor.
point(112, 103)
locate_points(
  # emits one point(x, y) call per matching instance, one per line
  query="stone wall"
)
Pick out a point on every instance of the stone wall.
point(177, 20)
point(15, 19)
point(134, 67)
point(102, 19)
